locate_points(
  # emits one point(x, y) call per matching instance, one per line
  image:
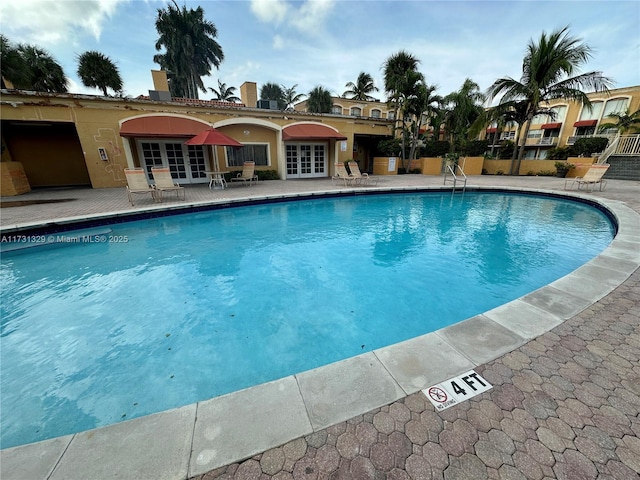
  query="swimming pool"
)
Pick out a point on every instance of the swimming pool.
point(194, 306)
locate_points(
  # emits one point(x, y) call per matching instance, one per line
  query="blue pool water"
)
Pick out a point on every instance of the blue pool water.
point(183, 308)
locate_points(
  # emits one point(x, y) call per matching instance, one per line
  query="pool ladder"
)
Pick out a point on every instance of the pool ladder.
point(450, 175)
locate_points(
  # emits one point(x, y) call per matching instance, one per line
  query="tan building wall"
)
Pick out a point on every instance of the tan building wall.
point(96, 121)
point(568, 132)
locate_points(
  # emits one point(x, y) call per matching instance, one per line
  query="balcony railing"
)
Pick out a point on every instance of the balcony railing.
point(542, 141)
point(572, 140)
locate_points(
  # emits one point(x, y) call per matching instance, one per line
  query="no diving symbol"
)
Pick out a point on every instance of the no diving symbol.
point(438, 394)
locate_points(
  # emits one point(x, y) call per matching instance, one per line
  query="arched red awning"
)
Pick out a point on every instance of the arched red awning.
point(161, 126)
point(586, 123)
point(310, 131)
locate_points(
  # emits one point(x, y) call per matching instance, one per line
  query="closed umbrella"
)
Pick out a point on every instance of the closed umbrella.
point(214, 138)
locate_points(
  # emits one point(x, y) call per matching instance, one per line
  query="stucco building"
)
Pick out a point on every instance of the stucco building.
point(64, 139)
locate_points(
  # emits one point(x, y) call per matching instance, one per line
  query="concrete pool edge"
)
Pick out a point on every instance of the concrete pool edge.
point(390, 373)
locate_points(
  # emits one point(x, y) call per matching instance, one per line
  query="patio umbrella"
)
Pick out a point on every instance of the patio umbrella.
point(214, 138)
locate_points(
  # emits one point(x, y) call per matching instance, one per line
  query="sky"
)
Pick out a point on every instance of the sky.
point(329, 42)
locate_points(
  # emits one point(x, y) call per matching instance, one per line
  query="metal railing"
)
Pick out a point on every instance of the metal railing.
point(624, 145)
point(450, 171)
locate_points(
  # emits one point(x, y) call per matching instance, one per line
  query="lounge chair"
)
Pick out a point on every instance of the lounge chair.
point(594, 175)
point(342, 174)
point(361, 178)
point(137, 183)
point(248, 174)
point(165, 183)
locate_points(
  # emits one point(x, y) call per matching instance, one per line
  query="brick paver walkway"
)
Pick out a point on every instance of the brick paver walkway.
point(566, 405)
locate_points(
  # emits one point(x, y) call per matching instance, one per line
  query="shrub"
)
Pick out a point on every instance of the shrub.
point(590, 145)
point(559, 153)
point(435, 148)
point(475, 148)
point(390, 147)
point(499, 172)
point(506, 151)
point(267, 175)
point(546, 173)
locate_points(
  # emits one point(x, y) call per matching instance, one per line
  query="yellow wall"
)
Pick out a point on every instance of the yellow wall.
point(97, 121)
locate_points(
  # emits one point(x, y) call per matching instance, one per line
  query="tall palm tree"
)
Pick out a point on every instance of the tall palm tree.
point(464, 107)
point(224, 93)
point(361, 89)
point(98, 71)
point(319, 100)
point(45, 74)
point(396, 69)
point(14, 68)
point(190, 48)
point(273, 91)
point(625, 122)
point(291, 97)
point(548, 73)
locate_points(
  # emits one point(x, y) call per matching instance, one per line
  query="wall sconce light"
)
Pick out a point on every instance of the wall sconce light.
point(246, 132)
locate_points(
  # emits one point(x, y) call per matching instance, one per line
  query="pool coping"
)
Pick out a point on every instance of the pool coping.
point(196, 438)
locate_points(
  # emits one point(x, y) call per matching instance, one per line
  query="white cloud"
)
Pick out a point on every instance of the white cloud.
point(312, 14)
point(307, 18)
point(269, 10)
point(48, 23)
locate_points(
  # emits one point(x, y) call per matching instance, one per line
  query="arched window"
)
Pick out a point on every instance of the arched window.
point(356, 111)
point(375, 113)
point(615, 105)
point(336, 109)
point(591, 113)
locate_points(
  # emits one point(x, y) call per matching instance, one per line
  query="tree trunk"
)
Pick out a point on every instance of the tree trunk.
point(525, 134)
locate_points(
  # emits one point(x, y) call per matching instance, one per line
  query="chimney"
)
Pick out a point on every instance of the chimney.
point(249, 94)
point(160, 85)
point(160, 82)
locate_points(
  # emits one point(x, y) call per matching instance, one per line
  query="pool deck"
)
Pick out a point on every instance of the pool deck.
point(564, 362)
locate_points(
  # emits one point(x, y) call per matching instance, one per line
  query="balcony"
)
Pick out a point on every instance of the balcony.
point(542, 142)
point(572, 140)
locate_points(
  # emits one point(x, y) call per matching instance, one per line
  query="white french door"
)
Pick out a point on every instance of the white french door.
point(306, 160)
point(186, 162)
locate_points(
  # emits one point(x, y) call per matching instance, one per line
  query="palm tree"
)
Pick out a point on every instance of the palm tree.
point(361, 89)
point(319, 100)
point(291, 97)
point(396, 68)
point(548, 73)
point(44, 73)
point(625, 122)
point(98, 71)
point(464, 107)
point(190, 46)
point(14, 67)
point(224, 93)
point(423, 104)
point(273, 91)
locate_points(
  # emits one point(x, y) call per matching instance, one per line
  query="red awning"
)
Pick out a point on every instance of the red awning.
point(161, 126)
point(551, 126)
point(586, 123)
point(492, 130)
point(309, 131)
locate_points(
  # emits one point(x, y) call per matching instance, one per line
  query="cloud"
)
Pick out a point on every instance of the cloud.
point(307, 18)
point(312, 14)
point(48, 23)
point(270, 11)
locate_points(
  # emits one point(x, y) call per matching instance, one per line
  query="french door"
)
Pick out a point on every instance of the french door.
point(187, 163)
point(306, 160)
